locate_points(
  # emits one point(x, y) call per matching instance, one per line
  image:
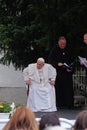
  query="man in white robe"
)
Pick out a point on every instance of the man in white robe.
point(40, 77)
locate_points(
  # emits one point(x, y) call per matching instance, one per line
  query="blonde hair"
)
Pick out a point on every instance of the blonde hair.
point(23, 118)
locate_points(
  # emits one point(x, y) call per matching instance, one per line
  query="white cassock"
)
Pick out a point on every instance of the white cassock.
point(41, 93)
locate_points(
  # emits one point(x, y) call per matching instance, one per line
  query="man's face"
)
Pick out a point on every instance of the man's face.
point(62, 43)
point(40, 64)
point(85, 38)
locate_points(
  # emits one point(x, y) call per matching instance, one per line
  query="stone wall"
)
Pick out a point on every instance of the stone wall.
point(13, 94)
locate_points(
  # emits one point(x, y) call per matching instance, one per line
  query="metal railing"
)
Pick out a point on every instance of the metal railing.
point(79, 84)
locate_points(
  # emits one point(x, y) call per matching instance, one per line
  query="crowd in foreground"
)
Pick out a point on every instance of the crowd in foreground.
point(24, 118)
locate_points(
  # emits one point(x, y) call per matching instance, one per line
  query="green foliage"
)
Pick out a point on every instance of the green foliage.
point(5, 107)
point(29, 29)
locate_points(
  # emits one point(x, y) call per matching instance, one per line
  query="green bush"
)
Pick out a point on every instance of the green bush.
point(5, 107)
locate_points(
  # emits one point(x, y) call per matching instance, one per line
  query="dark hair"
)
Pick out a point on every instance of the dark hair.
point(48, 120)
point(81, 121)
point(61, 38)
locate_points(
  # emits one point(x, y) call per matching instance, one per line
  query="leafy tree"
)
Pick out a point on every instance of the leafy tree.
point(30, 28)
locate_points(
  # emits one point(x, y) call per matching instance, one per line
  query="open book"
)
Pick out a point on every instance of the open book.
point(83, 61)
point(68, 66)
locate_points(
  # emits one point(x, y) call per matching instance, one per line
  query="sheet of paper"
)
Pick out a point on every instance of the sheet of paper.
point(83, 60)
point(66, 65)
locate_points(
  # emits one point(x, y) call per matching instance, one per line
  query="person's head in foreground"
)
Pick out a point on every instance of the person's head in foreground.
point(81, 121)
point(54, 128)
point(22, 119)
point(48, 120)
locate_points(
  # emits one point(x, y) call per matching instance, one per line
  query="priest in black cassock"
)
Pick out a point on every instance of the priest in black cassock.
point(62, 59)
